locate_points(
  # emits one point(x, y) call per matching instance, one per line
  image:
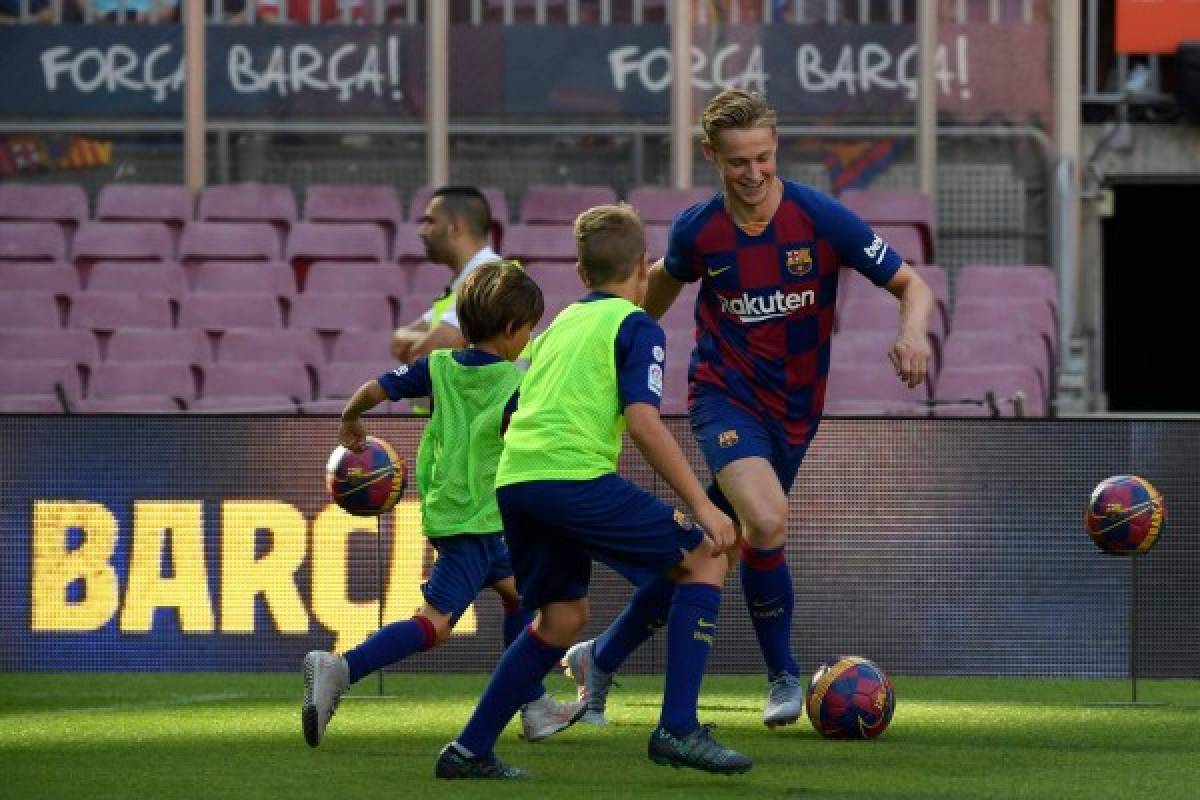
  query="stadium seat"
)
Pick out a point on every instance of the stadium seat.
point(254, 385)
point(32, 241)
point(985, 282)
point(40, 377)
point(965, 388)
point(269, 277)
point(354, 203)
point(338, 380)
point(354, 345)
point(122, 241)
point(656, 242)
point(227, 241)
point(1008, 315)
point(658, 205)
point(66, 205)
point(174, 379)
point(976, 349)
point(165, 277)
point(32, 309)
point(331, 313)
point(407, 245)
point(872, 388)
point(896, 207)
point(57, 277)
point(682, 313)
point(556, 277)
point(559, 205)
point(31, 404)
point(426, 277)
point(131, 404)
point(341, 242)
point(145, 202)
point(935, 276)
point(108, 311)
point(219, 311)
point(387, 280)
point(497, 203)
point(249, 202)
point(64, 344)
point(540, 243)
point(187, 346)
point(675, 385)
point(256, 345)
point(905, 240)
point(852, 284)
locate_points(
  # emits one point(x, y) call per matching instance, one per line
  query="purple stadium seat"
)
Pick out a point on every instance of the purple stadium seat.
point(173, 379)
point(905, 240)
point(145, 202)
point(407, 246)
point(32, 241)
point(675, 386)
point(338, 380)
point(219, 311)
point(40, 377)
point(682, 313)
point(963, 387)
point(267, 277)
point(427, 277)
point(880, 311)
point(122, 241)
point(935, 276)
point(257, 345)
point(1007, 315)
point(978, 349)
point(387, 280)
point(108, 311)
point(77, 347)
point(227, 241)
point(363, 346)
point(249, 202)
point(131, 404)
point(330, 312)
point(852, 284)
point(165, 277)
point(540, 243)
point(58, 277)
point(158, 344)
point(658, 205)
point(656, 242)
point(371, 204)
point(32, 309)
point(556, 277)
point(982, 282)
point(417, 303)
point(65, 205)
point(258, 380)
point(30, 404)
point(872, 388)
point(311, 241)
point(559, 205)
point(497, 203)
point(896, 207)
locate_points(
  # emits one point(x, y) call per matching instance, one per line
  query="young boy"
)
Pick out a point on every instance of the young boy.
point(498, 306)
point(596, 371)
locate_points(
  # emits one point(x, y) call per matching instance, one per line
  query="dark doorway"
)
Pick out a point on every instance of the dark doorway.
point(1151, 289)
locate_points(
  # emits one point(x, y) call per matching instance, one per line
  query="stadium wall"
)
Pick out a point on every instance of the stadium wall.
point(938, 546)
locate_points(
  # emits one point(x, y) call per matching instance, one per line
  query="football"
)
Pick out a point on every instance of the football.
point(850, 699)
point(366, 483)
point(1125, 515)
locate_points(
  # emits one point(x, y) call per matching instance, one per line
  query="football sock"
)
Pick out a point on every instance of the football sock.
point(691, 628)
point(515, 620)
point(645, 613)
point(516, 678)
point(390, 644)
point(767, 587)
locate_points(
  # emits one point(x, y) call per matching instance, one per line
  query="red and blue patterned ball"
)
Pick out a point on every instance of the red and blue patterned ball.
point(367, 483)
point(1125, 515)
point(850, 699)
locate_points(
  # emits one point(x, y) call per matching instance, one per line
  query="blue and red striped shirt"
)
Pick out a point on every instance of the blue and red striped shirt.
point(764, 315)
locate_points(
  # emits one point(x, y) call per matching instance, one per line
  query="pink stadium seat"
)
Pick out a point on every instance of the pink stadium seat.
point(138, 276)
point(969, 385)
point(264, 277)
point(226, 241)
point(173, 379)
point(656, 242)
point(30, 404)
point(76, 347)
point(338, 380)
point(40, 378)
point(32, 309)
point(675, 388)
point(1007, 315)
point(371, 204)
point(935, 276)
point(249, 202)
point(219, 311)
point(131, 404)
point(32, 241)
point(556, 277)
point(880, 311)
point(497, 203)
point(387, 280)
point(256, 345)
point(158, 344)
point(145, 202)
point(65, 205)
point(122, 241)
point(896, 207)
point(905, 240)
point(407, 246)
point(362, 346)
point(659, 205)
point(979, 282)
point(260, 381)
point(108, 311)
point(682, 313)
point(58, 277)
point(872, 388)
point(559, 205)
point(417, 303)
point(427, 277)
point(977, 349)
point(852, 284)
point(329, 312)
point(312, 241)
point(540, 243)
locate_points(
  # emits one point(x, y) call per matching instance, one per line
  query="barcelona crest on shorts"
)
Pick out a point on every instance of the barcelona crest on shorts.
point(799, 262)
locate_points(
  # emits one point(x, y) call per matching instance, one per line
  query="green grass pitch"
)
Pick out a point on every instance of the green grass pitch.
point(83, 736)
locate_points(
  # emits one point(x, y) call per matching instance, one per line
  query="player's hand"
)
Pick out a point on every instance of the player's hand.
point(910, 356)
point(352, 435)
point(402, 344)
point(717, 526)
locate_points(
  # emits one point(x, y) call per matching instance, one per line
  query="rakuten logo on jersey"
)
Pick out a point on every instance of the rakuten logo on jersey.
point(756, 308)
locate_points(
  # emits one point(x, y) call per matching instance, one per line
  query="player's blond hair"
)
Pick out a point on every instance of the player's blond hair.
point(735, 108)
point(610, 242)
point(497, 297)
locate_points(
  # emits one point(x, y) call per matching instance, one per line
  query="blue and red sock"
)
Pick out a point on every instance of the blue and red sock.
point(389, 644)
point(691, 630)
point(645, 613)
point(770, 598)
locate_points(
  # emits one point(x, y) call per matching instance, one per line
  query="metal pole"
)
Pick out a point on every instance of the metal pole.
point(927, 41)
point(379, 585)
point(438, 112)
point(1067, 134)
point(193, 108)
point(1133, 592)
point(681, 94)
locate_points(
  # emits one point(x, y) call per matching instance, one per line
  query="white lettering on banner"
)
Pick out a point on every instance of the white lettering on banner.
point(115, 68)
point(652, 68)
point(860, 69)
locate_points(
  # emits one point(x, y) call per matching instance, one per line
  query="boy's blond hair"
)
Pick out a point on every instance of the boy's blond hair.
point(610, 242)
point(497, 297)
point(735, 108)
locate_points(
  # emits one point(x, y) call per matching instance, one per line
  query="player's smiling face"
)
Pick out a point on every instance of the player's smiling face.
point(745, 158)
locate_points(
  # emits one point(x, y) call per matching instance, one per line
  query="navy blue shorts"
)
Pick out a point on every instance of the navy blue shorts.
point(727, 432)
point(465, 565)
point(556, 528)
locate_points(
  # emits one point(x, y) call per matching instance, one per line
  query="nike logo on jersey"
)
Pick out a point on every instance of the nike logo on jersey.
point(712, 273)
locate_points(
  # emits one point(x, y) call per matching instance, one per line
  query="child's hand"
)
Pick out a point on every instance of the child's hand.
point(718, 526)
point(352, 434)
